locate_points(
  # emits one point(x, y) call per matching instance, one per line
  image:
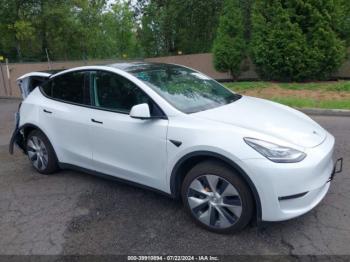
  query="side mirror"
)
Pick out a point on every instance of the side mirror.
point(140, 111)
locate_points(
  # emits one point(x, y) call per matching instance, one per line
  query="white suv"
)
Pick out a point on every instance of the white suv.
point(231, 158)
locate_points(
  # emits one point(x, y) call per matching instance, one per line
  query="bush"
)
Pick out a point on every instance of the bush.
point(293, 40)
point(229, 46)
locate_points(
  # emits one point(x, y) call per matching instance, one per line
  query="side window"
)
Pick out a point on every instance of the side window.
point(115, 92)
point(35, 81)
point(47, 88)
point(70, 87)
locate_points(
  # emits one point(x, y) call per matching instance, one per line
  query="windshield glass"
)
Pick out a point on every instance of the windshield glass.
point(187, 90)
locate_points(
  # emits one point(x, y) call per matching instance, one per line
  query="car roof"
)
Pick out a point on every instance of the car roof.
point(124, 66)
point(128, 67)
point(140, 66)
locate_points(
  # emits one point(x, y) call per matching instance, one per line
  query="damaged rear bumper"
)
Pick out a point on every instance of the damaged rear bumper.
point(17, 137)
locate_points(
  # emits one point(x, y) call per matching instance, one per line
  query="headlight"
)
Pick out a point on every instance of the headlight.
point(275, 153)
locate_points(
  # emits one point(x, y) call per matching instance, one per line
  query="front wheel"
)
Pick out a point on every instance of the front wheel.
point(41, 153)
point(217, 198)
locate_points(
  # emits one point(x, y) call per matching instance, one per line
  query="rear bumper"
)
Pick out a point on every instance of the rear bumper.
point(290, 190)
point(17, 137)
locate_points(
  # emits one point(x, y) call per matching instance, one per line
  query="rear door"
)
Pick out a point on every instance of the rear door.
point(66, 117)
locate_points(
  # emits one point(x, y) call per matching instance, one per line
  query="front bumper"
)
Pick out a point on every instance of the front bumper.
point(288, 190)
point(338, 168)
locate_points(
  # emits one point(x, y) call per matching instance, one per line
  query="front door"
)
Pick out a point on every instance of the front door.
point(125, 147)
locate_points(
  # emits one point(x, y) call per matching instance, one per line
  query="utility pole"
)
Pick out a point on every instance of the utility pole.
point(8, 76)
point(48, 58)
point(2, 74)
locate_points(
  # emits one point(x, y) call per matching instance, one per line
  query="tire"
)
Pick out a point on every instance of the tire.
point(41, 153)
point(217, 198)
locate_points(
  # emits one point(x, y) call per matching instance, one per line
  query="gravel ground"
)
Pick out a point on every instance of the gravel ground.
point(76, 213)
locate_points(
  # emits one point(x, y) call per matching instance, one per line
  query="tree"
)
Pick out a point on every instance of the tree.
point(296, 39)
point(120, 32)
point(78, 29)
point(58, 30)
point(157, 32)
point(149, 31)
point(341, 19)
point(167, 27)
point(247, 6)
point(196, 24)
point(17, 30)
point(229, 46)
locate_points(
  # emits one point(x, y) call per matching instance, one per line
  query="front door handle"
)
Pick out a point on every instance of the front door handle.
point(47, 111)
point(95, 121)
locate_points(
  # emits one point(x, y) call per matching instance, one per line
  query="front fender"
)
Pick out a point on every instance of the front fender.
point(235, 164)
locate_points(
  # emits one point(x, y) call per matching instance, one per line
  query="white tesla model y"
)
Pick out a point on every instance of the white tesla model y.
point(231, 158)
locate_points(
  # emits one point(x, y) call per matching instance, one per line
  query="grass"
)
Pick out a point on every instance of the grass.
point(327, 94)
point(325, 86)
point(312, 103)
point(242, 86)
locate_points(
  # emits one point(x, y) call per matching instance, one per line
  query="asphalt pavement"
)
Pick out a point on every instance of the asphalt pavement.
point(75, 213)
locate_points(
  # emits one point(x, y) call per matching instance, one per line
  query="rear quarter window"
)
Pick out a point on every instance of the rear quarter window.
point(69, 88)
point(47, 88)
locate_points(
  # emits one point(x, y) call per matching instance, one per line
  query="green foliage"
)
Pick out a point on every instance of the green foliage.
point(341, 19)
point(246, 7)
point(197, 24)
point(343, 86)
point(79, 29)
point(290, 99)
point(173, 26)
point(83, 29)
point(229, 46)
point(239, 86)
point(287, 39)
point(312, 103)
point(296, 39)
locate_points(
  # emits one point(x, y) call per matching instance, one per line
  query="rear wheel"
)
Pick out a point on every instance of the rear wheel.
point(217, 198)
point(40, 153)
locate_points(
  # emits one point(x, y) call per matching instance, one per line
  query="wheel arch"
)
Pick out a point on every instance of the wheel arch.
point(25, 130)
point(191, 159)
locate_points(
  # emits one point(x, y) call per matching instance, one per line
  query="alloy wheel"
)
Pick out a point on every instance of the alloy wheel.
point(37, 152)
point(214, 201)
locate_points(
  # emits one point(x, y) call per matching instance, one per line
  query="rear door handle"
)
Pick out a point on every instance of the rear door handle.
point(46, 111)
point(95, 121)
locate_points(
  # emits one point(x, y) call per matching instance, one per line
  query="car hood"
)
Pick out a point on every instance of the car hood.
point(269, 118)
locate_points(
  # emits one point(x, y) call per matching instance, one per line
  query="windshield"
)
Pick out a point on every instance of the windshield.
point(187, 90)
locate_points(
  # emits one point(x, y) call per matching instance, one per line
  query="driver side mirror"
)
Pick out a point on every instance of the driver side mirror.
point(140, 111)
